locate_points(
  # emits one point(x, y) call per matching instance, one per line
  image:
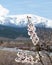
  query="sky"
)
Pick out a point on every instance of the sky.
point(37, 7)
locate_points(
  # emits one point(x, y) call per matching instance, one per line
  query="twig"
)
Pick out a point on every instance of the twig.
point(40, 58)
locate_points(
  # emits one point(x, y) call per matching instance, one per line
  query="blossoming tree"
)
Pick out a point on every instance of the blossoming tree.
point(24, 57)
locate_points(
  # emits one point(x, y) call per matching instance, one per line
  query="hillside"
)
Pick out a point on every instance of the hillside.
point(20, 34)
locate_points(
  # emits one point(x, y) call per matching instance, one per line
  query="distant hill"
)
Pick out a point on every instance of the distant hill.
point(15, 32)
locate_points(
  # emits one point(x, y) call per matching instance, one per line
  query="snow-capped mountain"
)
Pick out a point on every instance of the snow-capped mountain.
point(21, 20)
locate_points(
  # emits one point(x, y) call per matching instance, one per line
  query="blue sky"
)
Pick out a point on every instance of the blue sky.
point(38, 7)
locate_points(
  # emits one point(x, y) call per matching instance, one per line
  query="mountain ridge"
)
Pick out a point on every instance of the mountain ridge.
point(21, 20)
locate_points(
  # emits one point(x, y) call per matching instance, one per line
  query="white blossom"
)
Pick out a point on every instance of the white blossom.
point(31, 32)
point(24, 58)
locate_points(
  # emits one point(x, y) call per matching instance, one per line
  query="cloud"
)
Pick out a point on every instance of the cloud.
point(3, 11)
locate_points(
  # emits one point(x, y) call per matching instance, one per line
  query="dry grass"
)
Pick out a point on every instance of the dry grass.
point(19, 43)
point(7, 58)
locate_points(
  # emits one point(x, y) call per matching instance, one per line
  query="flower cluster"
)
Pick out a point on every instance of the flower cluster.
point(24, 58)
point(31, 32)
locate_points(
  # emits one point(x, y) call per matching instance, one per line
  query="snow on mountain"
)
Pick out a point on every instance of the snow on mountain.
point(21, 20)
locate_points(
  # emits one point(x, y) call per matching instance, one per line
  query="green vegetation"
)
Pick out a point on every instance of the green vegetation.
point(13, 32)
